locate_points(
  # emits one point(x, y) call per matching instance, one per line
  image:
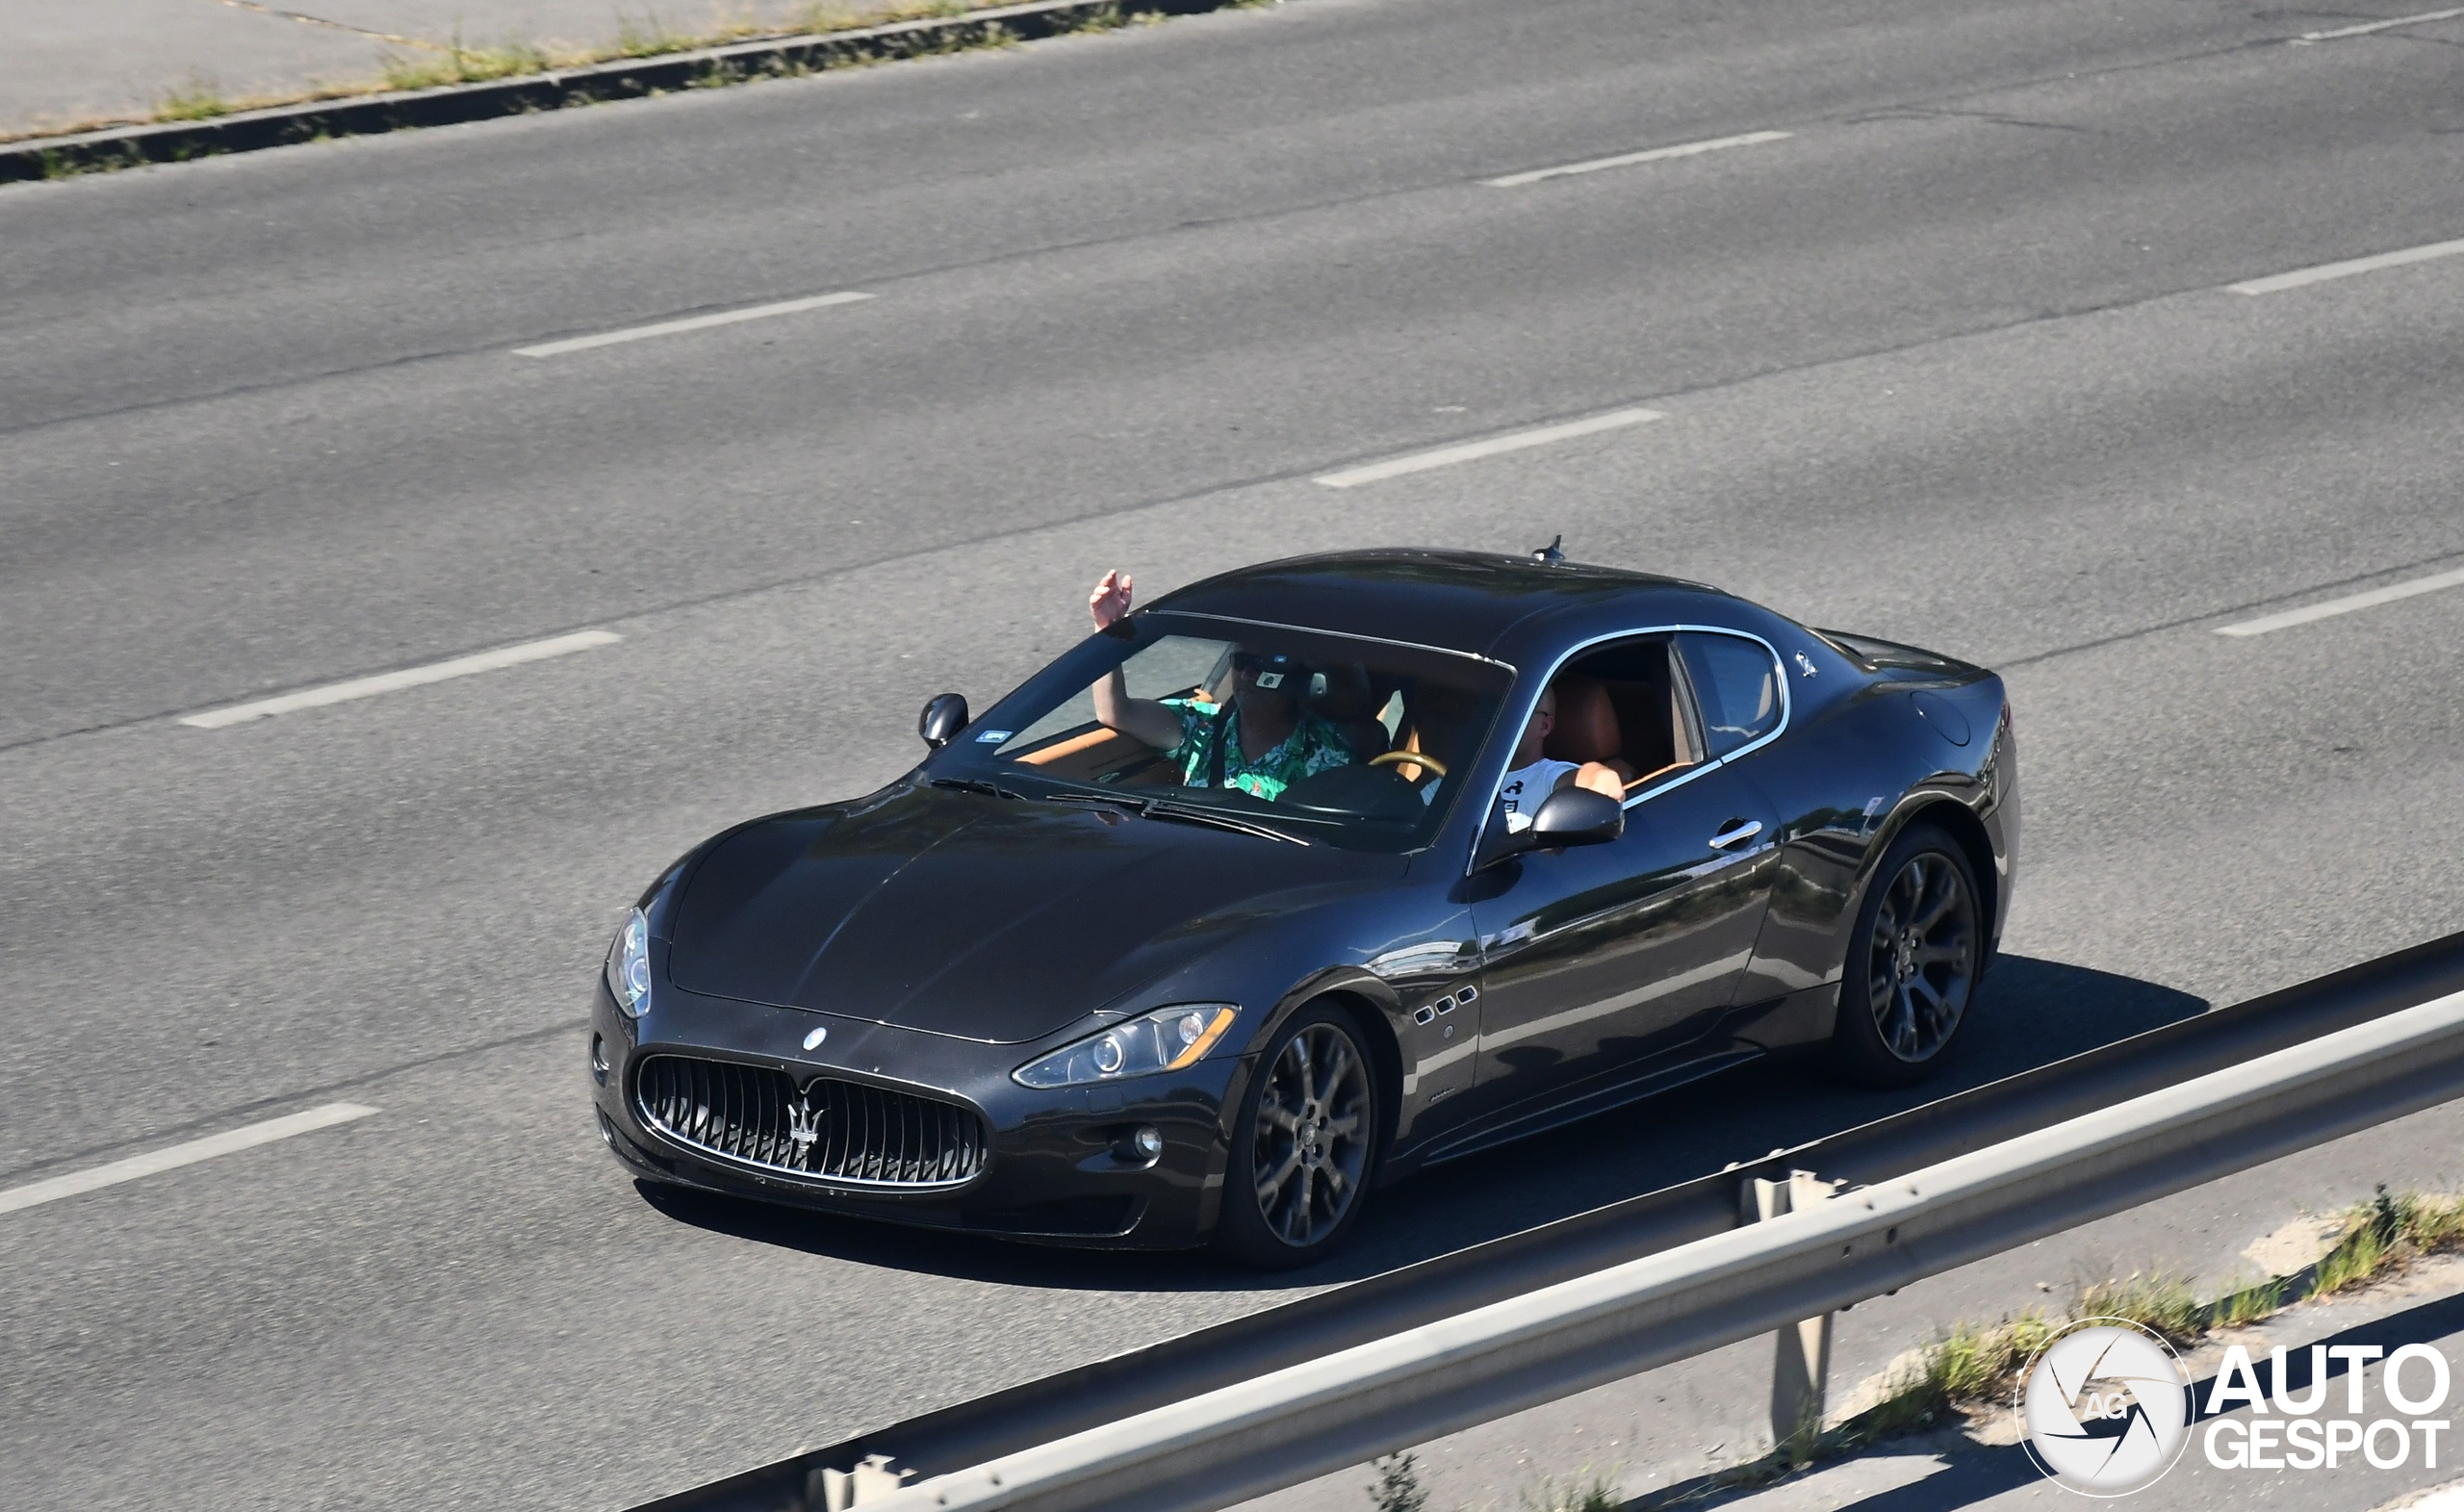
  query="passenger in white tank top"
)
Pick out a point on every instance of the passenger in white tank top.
point(1535, 775)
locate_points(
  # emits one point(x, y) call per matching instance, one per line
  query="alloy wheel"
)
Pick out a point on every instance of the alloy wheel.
point(1312, 1137)
point(1922, 964)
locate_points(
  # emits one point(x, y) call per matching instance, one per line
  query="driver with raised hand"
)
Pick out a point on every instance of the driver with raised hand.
point(1213, 742)
point(1535, 775)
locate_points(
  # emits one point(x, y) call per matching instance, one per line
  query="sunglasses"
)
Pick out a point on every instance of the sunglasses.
point(1271, 670)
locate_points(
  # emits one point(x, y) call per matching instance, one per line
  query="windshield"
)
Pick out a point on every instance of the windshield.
point(1309, 736)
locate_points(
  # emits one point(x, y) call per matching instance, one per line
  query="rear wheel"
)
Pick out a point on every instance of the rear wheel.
point(1304, 1144)
point(1913, 963)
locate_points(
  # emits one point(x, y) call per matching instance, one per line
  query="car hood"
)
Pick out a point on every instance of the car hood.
point(985, 918)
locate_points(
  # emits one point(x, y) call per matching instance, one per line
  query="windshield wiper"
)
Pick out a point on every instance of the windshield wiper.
point(971, 784)
point(1191, 813)
point(1167, 808)
point(1068, 795)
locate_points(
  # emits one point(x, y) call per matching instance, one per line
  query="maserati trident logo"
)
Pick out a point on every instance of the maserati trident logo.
point(804, 1124)
point(2105, 1407)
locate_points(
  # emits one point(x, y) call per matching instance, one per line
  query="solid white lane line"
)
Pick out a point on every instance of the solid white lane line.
point(2376, 26)
point(407, 677)
point(699, 323)
point(1446, 456)
point(173, 1157)
point(1683, 149)
point(2345, 269)
point(2347, 605)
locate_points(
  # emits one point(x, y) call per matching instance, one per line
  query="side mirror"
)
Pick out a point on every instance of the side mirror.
point(1575, 816)
point(1568, 816)
point(945, 716)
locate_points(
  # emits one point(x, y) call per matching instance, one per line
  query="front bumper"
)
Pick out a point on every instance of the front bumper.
point(1056, 1168)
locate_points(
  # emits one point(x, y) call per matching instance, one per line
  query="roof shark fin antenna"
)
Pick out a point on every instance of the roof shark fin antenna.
point(1552, 554)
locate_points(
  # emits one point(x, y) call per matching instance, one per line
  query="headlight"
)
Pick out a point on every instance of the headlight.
point(1165, 1039)
point(629, 966)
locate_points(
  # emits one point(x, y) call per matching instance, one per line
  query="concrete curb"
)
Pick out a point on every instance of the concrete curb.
point(623, 78)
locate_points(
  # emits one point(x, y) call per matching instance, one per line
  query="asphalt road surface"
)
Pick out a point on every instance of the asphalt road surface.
point(1958, 360)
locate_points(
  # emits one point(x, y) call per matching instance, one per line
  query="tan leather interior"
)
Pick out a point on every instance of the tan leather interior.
point(1624, 710)
point(1649, 777)
point(1062, 750)
point(1586, 728)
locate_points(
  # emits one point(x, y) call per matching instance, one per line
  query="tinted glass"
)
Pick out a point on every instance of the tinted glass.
point(1737, 686)
point(1339, 705)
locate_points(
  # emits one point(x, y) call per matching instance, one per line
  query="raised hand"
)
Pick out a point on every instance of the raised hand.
point(1111, 599)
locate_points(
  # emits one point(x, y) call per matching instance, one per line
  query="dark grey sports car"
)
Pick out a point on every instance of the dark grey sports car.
point(1066, 981)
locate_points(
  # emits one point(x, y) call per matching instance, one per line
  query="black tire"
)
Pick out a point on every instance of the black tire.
point(1304, 1144)
point(1913, 962)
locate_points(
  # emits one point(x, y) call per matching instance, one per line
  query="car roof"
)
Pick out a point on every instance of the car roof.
point(1459, 600)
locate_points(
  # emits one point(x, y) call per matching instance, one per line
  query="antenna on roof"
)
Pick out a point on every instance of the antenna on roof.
point(1549, 553)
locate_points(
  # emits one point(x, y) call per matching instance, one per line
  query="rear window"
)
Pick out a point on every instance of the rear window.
point(1737, 688)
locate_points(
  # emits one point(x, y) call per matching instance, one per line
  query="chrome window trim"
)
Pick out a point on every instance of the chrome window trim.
point(1780, 672)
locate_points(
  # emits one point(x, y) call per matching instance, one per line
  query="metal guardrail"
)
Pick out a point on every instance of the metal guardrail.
point(1268, 1401)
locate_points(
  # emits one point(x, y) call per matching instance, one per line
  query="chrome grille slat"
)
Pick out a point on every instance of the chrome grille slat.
point(863, 1135)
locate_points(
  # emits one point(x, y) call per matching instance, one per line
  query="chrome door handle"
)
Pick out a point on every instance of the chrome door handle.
point(1736, 833)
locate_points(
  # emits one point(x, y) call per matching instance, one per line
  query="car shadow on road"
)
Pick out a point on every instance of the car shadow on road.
point(2028, 1012)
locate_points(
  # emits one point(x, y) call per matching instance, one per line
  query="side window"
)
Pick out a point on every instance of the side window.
point(1736, 687)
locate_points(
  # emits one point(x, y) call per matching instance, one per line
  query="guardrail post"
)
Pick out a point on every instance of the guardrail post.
point(869, 1481)
point(1801, 1362)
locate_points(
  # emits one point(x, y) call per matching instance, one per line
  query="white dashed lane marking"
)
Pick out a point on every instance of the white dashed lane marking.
point(407, 677)
point(2348, 267)
point(173, 1157)
point(1471, 451)
point(2346, 605)
point(1683, 149)
point(697, 323)
point(2366, 28)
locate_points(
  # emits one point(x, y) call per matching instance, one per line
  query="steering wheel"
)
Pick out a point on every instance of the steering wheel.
point(1419, 758)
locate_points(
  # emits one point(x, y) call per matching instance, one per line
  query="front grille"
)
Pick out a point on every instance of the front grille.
point(837, 1131)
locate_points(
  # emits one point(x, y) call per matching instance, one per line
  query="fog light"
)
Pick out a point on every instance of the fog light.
point(1149, 1140)
point(599, 1060)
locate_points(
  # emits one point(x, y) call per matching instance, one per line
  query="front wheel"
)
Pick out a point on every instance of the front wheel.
point(1913, 963)
point(1304, 1144)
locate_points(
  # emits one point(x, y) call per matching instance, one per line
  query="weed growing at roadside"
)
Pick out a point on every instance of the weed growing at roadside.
point(1398, 1485)
point(1587, 1493)
point(198, 99)
point(2162, 1305)
point(425, 66)
point(2246, 1305)
point(458, 64)
point(650, 37)
point(2357, 1258)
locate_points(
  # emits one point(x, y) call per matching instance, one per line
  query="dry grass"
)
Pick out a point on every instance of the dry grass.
point(1585, 1493)
point(428, 66)
point(2162, 1304)
point(458, 64)
point(200, 98)
point(1973, 1365)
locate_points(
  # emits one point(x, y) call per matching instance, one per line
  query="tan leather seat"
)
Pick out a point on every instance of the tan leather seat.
point(1586, 728)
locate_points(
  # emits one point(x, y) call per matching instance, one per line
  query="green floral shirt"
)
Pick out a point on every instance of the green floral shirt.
point(1313, 746)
